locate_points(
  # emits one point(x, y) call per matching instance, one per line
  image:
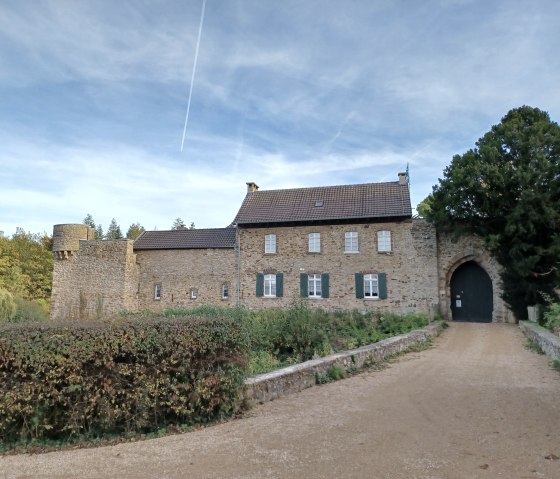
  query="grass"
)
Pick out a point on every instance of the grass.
point(556, 364)
point(533, 346)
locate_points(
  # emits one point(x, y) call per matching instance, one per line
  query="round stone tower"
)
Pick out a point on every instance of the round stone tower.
point(66, 239)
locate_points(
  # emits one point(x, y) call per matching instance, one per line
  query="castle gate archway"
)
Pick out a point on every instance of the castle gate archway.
point(471, 294)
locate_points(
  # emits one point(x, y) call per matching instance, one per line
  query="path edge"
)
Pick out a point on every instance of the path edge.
point(548, 342)
point(281, 382)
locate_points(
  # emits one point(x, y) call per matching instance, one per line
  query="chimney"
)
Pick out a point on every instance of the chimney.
point(251, 187)
point(403, 179)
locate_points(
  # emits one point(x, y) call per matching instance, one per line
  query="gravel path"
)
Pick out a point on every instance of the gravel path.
point(477, 405)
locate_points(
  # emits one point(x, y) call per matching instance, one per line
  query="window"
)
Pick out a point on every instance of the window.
point(351, 242)
point(157, 291)
point(194, 293)
point(384, 241)
point(270, 244)
point(371, 289)
point(371, 285)
point(270, 285)
point(225, 291)
point(314, 285)
point(314, 242)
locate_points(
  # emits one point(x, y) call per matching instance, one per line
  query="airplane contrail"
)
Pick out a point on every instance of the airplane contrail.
point(193, 72)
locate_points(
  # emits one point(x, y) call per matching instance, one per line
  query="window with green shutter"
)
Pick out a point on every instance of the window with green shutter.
point(359, 279)
point(382, 280)
point(303, 287)
point(325, 285)
point(260, 285)
point(279, 285)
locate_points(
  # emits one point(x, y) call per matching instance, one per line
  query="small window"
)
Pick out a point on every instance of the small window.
point(351, 242)
point(319, 203)
point(384, 241)
point(194, 293)
point(225, 291)
point(314, 285)
point(270, 285)
point(270, 244)
point(314, 242)
point(371, 286)
point(157, 291)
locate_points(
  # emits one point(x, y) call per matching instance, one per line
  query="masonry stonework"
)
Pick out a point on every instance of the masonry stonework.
point(188, 278)
point(411, 266)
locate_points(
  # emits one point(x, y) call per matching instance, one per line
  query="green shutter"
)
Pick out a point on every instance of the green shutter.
point(382, 282)
point(260, 285)
point(303, 285)
point(279, 285)
point(325, 285)
point(359, 285)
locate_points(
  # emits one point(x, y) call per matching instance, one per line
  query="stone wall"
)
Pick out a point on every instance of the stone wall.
point(411, 267)
point(455, 252)
point(98, 279)
point(182, 272)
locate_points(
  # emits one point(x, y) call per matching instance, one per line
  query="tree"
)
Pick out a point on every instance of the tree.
point(192, 226)
point(134, 230)
point(88, 220)
point(507, 191)
point(99, 235)
point(114, 231)
point(178, 224)
point(7, 306)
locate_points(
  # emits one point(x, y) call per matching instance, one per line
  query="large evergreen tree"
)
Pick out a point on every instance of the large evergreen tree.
point(114, 231)
point(507, 190)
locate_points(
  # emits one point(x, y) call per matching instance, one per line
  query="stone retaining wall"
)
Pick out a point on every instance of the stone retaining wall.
point(270, 386)
point(548, 342)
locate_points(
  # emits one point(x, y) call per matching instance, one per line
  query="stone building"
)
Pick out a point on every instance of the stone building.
point(343, 247)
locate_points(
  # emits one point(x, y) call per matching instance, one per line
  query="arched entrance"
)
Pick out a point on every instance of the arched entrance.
point(471, 294)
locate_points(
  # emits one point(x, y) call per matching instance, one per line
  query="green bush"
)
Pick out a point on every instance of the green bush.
point(552, 318)
point(61, 381)
point(7, 306)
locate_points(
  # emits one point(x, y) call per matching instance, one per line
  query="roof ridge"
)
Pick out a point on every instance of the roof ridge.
point(329, 186)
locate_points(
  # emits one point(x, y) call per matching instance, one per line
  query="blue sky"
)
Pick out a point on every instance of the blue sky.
point(286, 94)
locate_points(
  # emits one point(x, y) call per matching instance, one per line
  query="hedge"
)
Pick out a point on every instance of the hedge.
point(88, 380)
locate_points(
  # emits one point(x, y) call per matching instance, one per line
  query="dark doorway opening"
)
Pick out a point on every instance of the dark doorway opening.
point(471, 294)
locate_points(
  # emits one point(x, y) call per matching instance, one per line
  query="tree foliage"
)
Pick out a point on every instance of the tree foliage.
point(26, 264)
point(114, 231)
point(134, 230)
point(178, 224)
point(507, 190)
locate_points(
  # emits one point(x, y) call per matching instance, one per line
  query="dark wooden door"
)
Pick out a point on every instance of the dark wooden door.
point(471, 294)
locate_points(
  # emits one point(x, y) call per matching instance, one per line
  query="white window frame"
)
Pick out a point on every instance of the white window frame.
point(269, 286)
point(314, 286)
point(194, 293)
point(371, 286)
point(384, 244)
point(314, 242)
point(270, 244)
point(351, 242)
point(225, 291)
point(157, 291)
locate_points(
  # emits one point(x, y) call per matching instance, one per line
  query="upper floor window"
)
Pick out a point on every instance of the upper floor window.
point(384, 241)
point(314, 242)
point(351, 242)
point(270, 244)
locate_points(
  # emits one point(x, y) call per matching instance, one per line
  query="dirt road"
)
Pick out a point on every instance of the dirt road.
point(477, 405)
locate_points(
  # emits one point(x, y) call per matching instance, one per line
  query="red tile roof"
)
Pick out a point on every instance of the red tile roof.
point(186, 239)
point(365, 201)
